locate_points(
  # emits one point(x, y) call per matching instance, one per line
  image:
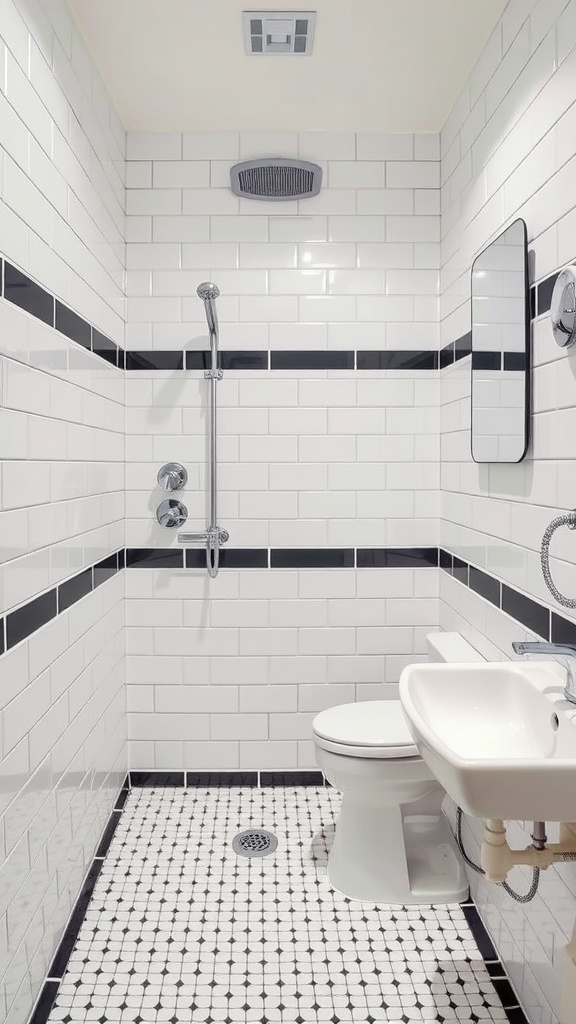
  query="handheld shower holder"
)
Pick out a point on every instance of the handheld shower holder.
point(214, 374)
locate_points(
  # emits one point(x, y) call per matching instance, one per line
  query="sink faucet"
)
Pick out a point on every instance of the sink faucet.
point(564, 653)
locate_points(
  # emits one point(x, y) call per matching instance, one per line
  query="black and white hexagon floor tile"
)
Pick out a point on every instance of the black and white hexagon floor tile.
point(181, 930)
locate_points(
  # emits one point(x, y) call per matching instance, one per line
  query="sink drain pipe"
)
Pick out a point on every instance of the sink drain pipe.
point(498, 858)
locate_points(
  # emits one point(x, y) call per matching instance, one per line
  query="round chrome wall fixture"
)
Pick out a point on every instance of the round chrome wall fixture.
point(563, 308)
point(254, 842)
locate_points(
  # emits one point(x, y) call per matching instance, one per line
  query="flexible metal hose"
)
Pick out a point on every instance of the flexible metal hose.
point(515, 896)
point(569, 520)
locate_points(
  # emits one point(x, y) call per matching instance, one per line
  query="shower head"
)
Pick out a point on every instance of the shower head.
point(207, 290)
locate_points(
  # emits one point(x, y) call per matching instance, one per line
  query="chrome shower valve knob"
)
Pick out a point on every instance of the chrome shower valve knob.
point(172, 476)
point(171, 513)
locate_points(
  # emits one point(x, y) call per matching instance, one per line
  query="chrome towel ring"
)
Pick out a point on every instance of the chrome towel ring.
point(569, 520)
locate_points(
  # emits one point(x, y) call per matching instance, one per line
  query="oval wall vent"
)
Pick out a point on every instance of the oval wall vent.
point(278, 179)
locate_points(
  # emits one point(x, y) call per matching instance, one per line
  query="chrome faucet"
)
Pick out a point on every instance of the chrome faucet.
point(564, 653)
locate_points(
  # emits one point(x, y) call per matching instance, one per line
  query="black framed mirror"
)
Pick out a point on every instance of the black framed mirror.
point(500, 385)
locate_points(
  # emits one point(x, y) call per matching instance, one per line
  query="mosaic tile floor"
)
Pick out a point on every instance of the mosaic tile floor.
point(181, 930)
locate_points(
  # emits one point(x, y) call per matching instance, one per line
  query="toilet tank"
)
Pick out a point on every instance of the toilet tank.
point(442, 647)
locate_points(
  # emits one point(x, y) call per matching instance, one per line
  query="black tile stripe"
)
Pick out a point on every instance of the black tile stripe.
point(481, 937)
point(230, 558)
point(24, 621)
point(149, 360)
point(544, 290)
point(524, 609)
point(72, 590)
point(73, 326)
point(312, 558)
point(463, 346)
point(25, 293)
point(485, 585)
point(415, 359)
point(486, 360)
point(105, 348)
point(396, 558)
point(154, 558)
point(108, 834)
point(30, 617)
point(68, 941)
point(317, 360)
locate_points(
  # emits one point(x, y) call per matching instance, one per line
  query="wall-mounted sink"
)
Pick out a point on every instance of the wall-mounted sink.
point(499, 736)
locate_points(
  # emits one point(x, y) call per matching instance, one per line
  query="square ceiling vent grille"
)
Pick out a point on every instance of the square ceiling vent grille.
point(271, 32)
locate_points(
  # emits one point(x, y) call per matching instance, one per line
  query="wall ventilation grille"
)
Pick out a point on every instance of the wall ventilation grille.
point(277, 179)
point(278, 32)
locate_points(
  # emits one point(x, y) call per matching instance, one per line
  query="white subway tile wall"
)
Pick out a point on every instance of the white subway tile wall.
point(508, 151)
point(62, 690)
point(308, 458)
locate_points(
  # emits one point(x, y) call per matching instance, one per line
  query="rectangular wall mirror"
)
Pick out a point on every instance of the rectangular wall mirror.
point(501, 349)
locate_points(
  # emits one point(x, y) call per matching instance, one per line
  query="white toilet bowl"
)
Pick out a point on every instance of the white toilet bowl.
point(392, 843)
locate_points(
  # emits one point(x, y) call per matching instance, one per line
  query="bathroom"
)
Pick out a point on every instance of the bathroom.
point(228, 512)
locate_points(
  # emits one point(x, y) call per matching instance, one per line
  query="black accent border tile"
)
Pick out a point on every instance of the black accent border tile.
point(24, 621)
point(105, 348)
point(396, 558)
point(229, 778)
point(74, 589)
point(524, 609)
point(544, 290)
point(68, 941)
point(105, 569)
point(320, 359)
point(230, 558)
point(562, 631)
point(121, 799)
point(2, 638)
point(46, 1001)
point(485, 585)
point(397, 359)
point(72, 325)
point(155, 779)
point(460, 570)
point(22, 291)
point(495, 969)
point(481, 937)
point(514, 361)
point(244, 360)
point(516, 1015)
point(463, 346)
point(154, 558)
point(446, 356)
point(149, 359)
point(312, 558)
point(108, 833)
point(486, 360)
point(533, 303)
point(505, 991)
point(291, 778)
point(445, 560)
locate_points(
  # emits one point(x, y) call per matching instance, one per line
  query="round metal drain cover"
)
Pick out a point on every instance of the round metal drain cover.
point(254, 842)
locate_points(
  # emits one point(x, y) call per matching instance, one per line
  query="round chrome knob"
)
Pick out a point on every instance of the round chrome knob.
point(171, 513)
point(172, 476)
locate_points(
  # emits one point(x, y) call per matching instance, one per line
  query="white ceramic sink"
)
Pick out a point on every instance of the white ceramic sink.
point(499, 736)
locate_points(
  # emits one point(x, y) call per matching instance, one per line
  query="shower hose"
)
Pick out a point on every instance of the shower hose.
point(569, 520)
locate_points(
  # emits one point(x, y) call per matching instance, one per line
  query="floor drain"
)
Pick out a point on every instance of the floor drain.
point(254, 842)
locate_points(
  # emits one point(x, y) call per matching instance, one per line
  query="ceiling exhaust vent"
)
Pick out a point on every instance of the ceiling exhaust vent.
point(272, 32)
point(277, 179)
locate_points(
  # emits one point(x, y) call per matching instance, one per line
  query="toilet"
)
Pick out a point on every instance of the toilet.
point(392, 843)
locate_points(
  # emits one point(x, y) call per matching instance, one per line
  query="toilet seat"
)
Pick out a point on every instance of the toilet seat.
point(374, 728)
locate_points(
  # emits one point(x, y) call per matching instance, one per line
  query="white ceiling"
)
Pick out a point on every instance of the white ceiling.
point(378, 65)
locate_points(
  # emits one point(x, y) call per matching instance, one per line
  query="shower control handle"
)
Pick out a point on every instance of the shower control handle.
point(172, 476)
point(171, 513)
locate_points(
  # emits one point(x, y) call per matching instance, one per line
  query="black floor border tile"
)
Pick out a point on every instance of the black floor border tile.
point(505, 992)
point(154, 779)
point(108, 833)
point(269, 780)
point(68, 941)
point(516, 1015)
point(46, 1001)
point(481, 937)
point(200, 779)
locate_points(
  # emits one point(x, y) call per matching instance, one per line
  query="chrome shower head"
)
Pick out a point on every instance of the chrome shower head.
point(207, 290)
